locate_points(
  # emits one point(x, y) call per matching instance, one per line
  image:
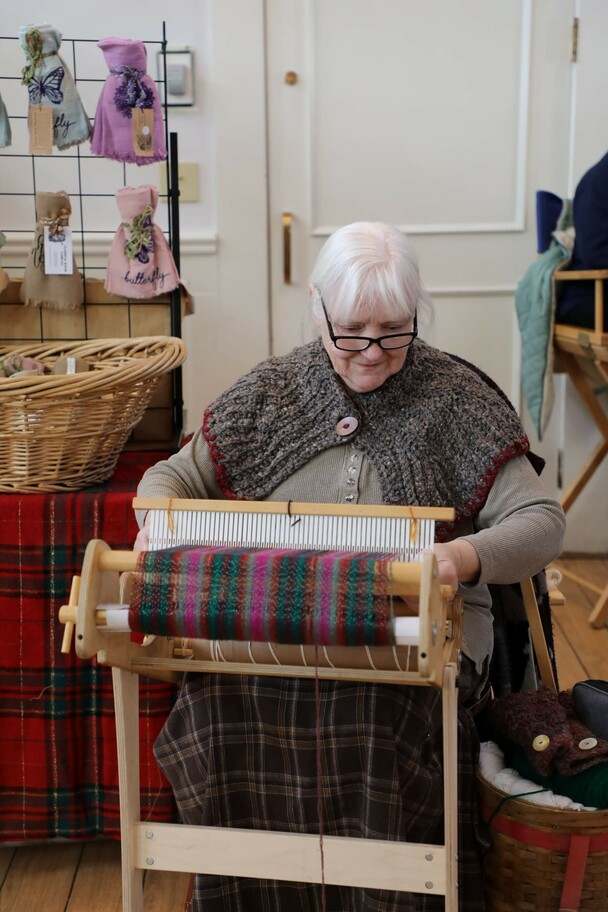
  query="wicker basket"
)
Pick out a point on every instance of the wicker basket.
point(60, 432)
point(543, 859)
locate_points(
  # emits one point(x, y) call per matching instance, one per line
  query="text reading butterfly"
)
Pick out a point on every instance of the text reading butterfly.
point(48, 87)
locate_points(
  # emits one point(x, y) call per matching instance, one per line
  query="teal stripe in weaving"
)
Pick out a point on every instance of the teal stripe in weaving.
point(275, 595)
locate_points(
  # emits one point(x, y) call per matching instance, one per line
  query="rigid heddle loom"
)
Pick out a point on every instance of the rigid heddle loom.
point(289, 589)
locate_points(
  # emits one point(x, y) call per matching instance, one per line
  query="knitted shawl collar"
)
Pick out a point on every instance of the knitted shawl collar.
point(436, 433)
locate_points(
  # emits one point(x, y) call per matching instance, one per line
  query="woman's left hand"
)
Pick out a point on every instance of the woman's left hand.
point(448, 573)
point(457, 562)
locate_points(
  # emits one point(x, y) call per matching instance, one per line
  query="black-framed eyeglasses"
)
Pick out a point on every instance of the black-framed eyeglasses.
point(361, 343)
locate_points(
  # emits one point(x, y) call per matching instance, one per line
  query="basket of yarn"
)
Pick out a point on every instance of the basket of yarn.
point(64, 431)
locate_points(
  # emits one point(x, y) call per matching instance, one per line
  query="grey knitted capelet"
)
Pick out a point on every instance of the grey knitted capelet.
point(436, 432)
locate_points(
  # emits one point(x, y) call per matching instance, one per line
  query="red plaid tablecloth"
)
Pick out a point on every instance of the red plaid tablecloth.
point(58, 766)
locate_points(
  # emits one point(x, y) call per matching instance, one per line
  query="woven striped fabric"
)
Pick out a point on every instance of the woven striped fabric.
point(325, 598)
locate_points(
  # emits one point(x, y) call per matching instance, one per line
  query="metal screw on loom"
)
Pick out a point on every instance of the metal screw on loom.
point(150, 861)
point(149, 834)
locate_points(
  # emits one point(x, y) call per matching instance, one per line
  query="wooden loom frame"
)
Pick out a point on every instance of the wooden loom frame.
point(579, 347)
point(348, 861)
point(356, 862)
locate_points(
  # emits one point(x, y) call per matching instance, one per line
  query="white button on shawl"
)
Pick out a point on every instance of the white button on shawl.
point(346, 426)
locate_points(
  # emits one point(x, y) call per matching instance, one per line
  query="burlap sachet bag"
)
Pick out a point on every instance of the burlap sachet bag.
point(64, 292)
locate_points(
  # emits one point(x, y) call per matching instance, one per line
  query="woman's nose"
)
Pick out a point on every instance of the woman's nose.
point(374, 352)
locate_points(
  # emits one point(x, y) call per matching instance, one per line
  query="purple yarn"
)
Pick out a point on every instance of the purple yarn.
point(131, 93)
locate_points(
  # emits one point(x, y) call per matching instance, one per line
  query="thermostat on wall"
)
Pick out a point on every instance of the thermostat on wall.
point(176, 72)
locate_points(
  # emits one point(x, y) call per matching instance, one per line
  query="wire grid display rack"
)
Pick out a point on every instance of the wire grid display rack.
point(91, 182)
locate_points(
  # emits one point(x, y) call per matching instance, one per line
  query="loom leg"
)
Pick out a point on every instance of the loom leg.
point(126, 705)
point(450, 785)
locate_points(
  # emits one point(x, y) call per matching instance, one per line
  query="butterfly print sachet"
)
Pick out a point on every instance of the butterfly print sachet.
point(50, 84)
point(129, 125)
point(140, 264)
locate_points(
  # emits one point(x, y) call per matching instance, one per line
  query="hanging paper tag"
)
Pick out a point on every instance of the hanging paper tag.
point(143, 130)
point(58, 257)
point(40, 120)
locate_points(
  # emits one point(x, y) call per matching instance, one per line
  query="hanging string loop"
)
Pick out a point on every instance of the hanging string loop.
point(33, 40)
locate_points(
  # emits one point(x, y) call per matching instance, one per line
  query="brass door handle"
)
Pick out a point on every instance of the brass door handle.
point(287, 223)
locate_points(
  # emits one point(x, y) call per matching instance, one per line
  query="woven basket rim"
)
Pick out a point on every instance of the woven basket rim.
point(63, 432)
point(162, 354)
point(538, 815)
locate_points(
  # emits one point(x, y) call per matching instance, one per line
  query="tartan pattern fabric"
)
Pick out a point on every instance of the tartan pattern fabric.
point(242, 752)
point(269, 595)
point(58, 765)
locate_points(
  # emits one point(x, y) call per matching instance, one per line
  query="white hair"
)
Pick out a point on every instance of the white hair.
point(371, 267)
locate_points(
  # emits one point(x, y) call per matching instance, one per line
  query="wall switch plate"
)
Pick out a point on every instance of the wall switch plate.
point(178, 79)
point(187, 176)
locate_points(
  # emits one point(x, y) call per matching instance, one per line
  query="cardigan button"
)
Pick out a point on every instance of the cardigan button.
point(346, 426)
point(587, 744)
point(541, 743)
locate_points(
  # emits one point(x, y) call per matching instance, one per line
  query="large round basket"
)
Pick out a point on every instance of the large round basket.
point(64, 431)
point(543, 859)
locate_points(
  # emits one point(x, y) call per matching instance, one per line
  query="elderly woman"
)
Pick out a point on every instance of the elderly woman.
point(368, 413)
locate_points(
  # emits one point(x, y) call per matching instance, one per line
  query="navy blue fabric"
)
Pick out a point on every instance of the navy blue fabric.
point(548, 210)
point(575, 302)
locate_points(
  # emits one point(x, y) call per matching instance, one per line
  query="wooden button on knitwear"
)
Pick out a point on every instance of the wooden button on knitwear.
point(541, 742)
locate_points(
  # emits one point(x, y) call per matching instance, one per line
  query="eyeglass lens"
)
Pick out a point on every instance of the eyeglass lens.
point(360, 343)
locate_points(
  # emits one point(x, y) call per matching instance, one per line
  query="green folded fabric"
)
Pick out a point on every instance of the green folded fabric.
point(589, 787)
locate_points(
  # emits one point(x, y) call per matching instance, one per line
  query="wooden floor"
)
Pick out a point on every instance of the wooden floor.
point(77, 877)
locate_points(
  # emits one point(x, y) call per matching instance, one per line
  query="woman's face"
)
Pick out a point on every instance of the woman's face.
point(364, 371)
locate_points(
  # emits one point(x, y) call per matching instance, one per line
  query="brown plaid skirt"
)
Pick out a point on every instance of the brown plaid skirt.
point(242, 752)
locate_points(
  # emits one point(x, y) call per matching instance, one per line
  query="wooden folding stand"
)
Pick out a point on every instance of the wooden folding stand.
point(103, 596)
point(584, 354)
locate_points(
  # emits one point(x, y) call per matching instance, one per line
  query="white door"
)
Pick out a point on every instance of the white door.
point(440, 117)
point(443, 118)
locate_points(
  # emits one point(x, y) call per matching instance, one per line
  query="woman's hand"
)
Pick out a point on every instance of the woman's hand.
point(457, 562)
point(142, 542)
point(448, 573)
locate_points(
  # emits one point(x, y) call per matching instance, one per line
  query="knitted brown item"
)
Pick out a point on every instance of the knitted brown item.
point(543, 724)
point(435, 431)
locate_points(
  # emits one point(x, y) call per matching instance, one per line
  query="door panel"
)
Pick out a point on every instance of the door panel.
point(437, 117)
point(402, 128)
